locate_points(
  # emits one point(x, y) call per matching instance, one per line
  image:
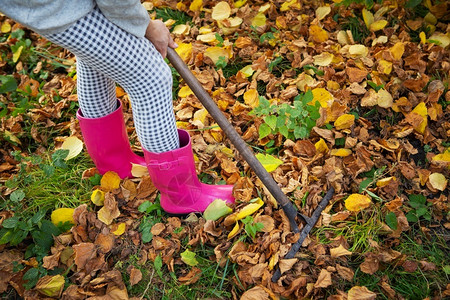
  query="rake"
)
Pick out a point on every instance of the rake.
point(248, 155)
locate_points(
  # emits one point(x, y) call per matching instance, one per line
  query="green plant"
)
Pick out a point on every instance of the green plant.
point(292, 121)
point(149, 220)
point(251, 227)
point(421, 208)
point(357, 28)
point(221, 62)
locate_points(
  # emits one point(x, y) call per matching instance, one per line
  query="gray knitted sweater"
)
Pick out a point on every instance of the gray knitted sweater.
point(53, 16)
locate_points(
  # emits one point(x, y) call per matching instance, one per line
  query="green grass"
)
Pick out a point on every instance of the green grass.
point(358, 230)
point(178, 16)
point(64, 188)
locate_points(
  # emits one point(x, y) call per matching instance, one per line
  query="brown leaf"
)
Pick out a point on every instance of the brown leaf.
point(361, 293)
point(345, 273)
point(339, 251)
point(304, 148)
point(356, 74)
point(410, 266)
point(110, 210)
point(324, 279)
point(286, 264)
point(135, 275)
point(256, 293)
point(105, 242)
point(51, 261)
point(145, 188)
point(192, 277)
point(257, 271)
point(84, 252)
point(387, 288)
point(370, 264)
point(158, 228)
point(7, 257)
point(427, 266)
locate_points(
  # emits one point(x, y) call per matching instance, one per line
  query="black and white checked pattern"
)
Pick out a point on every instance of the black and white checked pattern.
point(107, 54)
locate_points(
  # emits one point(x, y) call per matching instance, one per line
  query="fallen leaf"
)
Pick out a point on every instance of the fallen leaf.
point(110, 181)
point(357, 202)
point(438, 181)
point(345, 121)
point(339, 251)
point(135, 275)
point(98, 197)
point(216, 209)
point(255, 293)
point(324, 279)
point(62, 215)
point(74, 145)
point(221, 11)
point(188, 257)
point(360, 293)
point(50, 286)
point(269, 162)
point(318, 34)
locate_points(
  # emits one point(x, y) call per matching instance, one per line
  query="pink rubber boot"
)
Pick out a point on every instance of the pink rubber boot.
point(107, 143)
point(173, 174)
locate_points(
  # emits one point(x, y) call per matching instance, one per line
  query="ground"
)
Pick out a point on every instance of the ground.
point(349, 94)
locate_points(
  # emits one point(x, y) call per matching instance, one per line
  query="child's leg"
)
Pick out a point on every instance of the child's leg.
point(96, 92)
point(136, 65)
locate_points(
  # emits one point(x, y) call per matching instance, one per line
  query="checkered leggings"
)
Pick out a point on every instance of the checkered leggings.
point(107, 54)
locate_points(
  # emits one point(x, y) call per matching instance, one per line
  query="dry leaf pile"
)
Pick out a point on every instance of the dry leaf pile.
point(383, 106)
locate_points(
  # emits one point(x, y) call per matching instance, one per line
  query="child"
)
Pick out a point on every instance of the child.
point(116, 42)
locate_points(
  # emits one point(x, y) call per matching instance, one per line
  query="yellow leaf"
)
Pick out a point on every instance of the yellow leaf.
point(442, 157)
point(385, 66)
point(321, 146)
point(357, 202)
point(438, 181)
point(259, 20)
point(74, 145)
point(341, 152)
point(358, 51)
point(6, 27)
point(423, 37)
point(421, 110)
point(323, 59)
point(214, 53)
point(368, 17)
point(234, 231)
point(110, 181)
point(239, 3)
point(200, 115)
point(181, 29)
point(247, 71)
point(119, 91)
point(397, 50)
point(16, 54)
point(120, 229)
point(196, 5)
point(138, 170)
point(182, 125)
point(378, 25)
point(184, 50)
point(251, 98)
point(430, 18)
point(322, 12)
point(269, 162)
point(323, 96)
point(385, 181)
point(98, 197)
point(62, 215)
point(249, 209)
point(207, 37)
point(204, 30)
point(318, 34)
point(221, 11)
point(287, 5)
point(345, 121)
point(50, 286)
point(185, 91)
point(228, 152)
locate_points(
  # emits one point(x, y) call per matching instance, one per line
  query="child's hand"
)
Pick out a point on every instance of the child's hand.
point(159, 35)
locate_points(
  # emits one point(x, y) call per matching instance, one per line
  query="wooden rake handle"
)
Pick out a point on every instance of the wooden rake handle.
point(234, 137)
